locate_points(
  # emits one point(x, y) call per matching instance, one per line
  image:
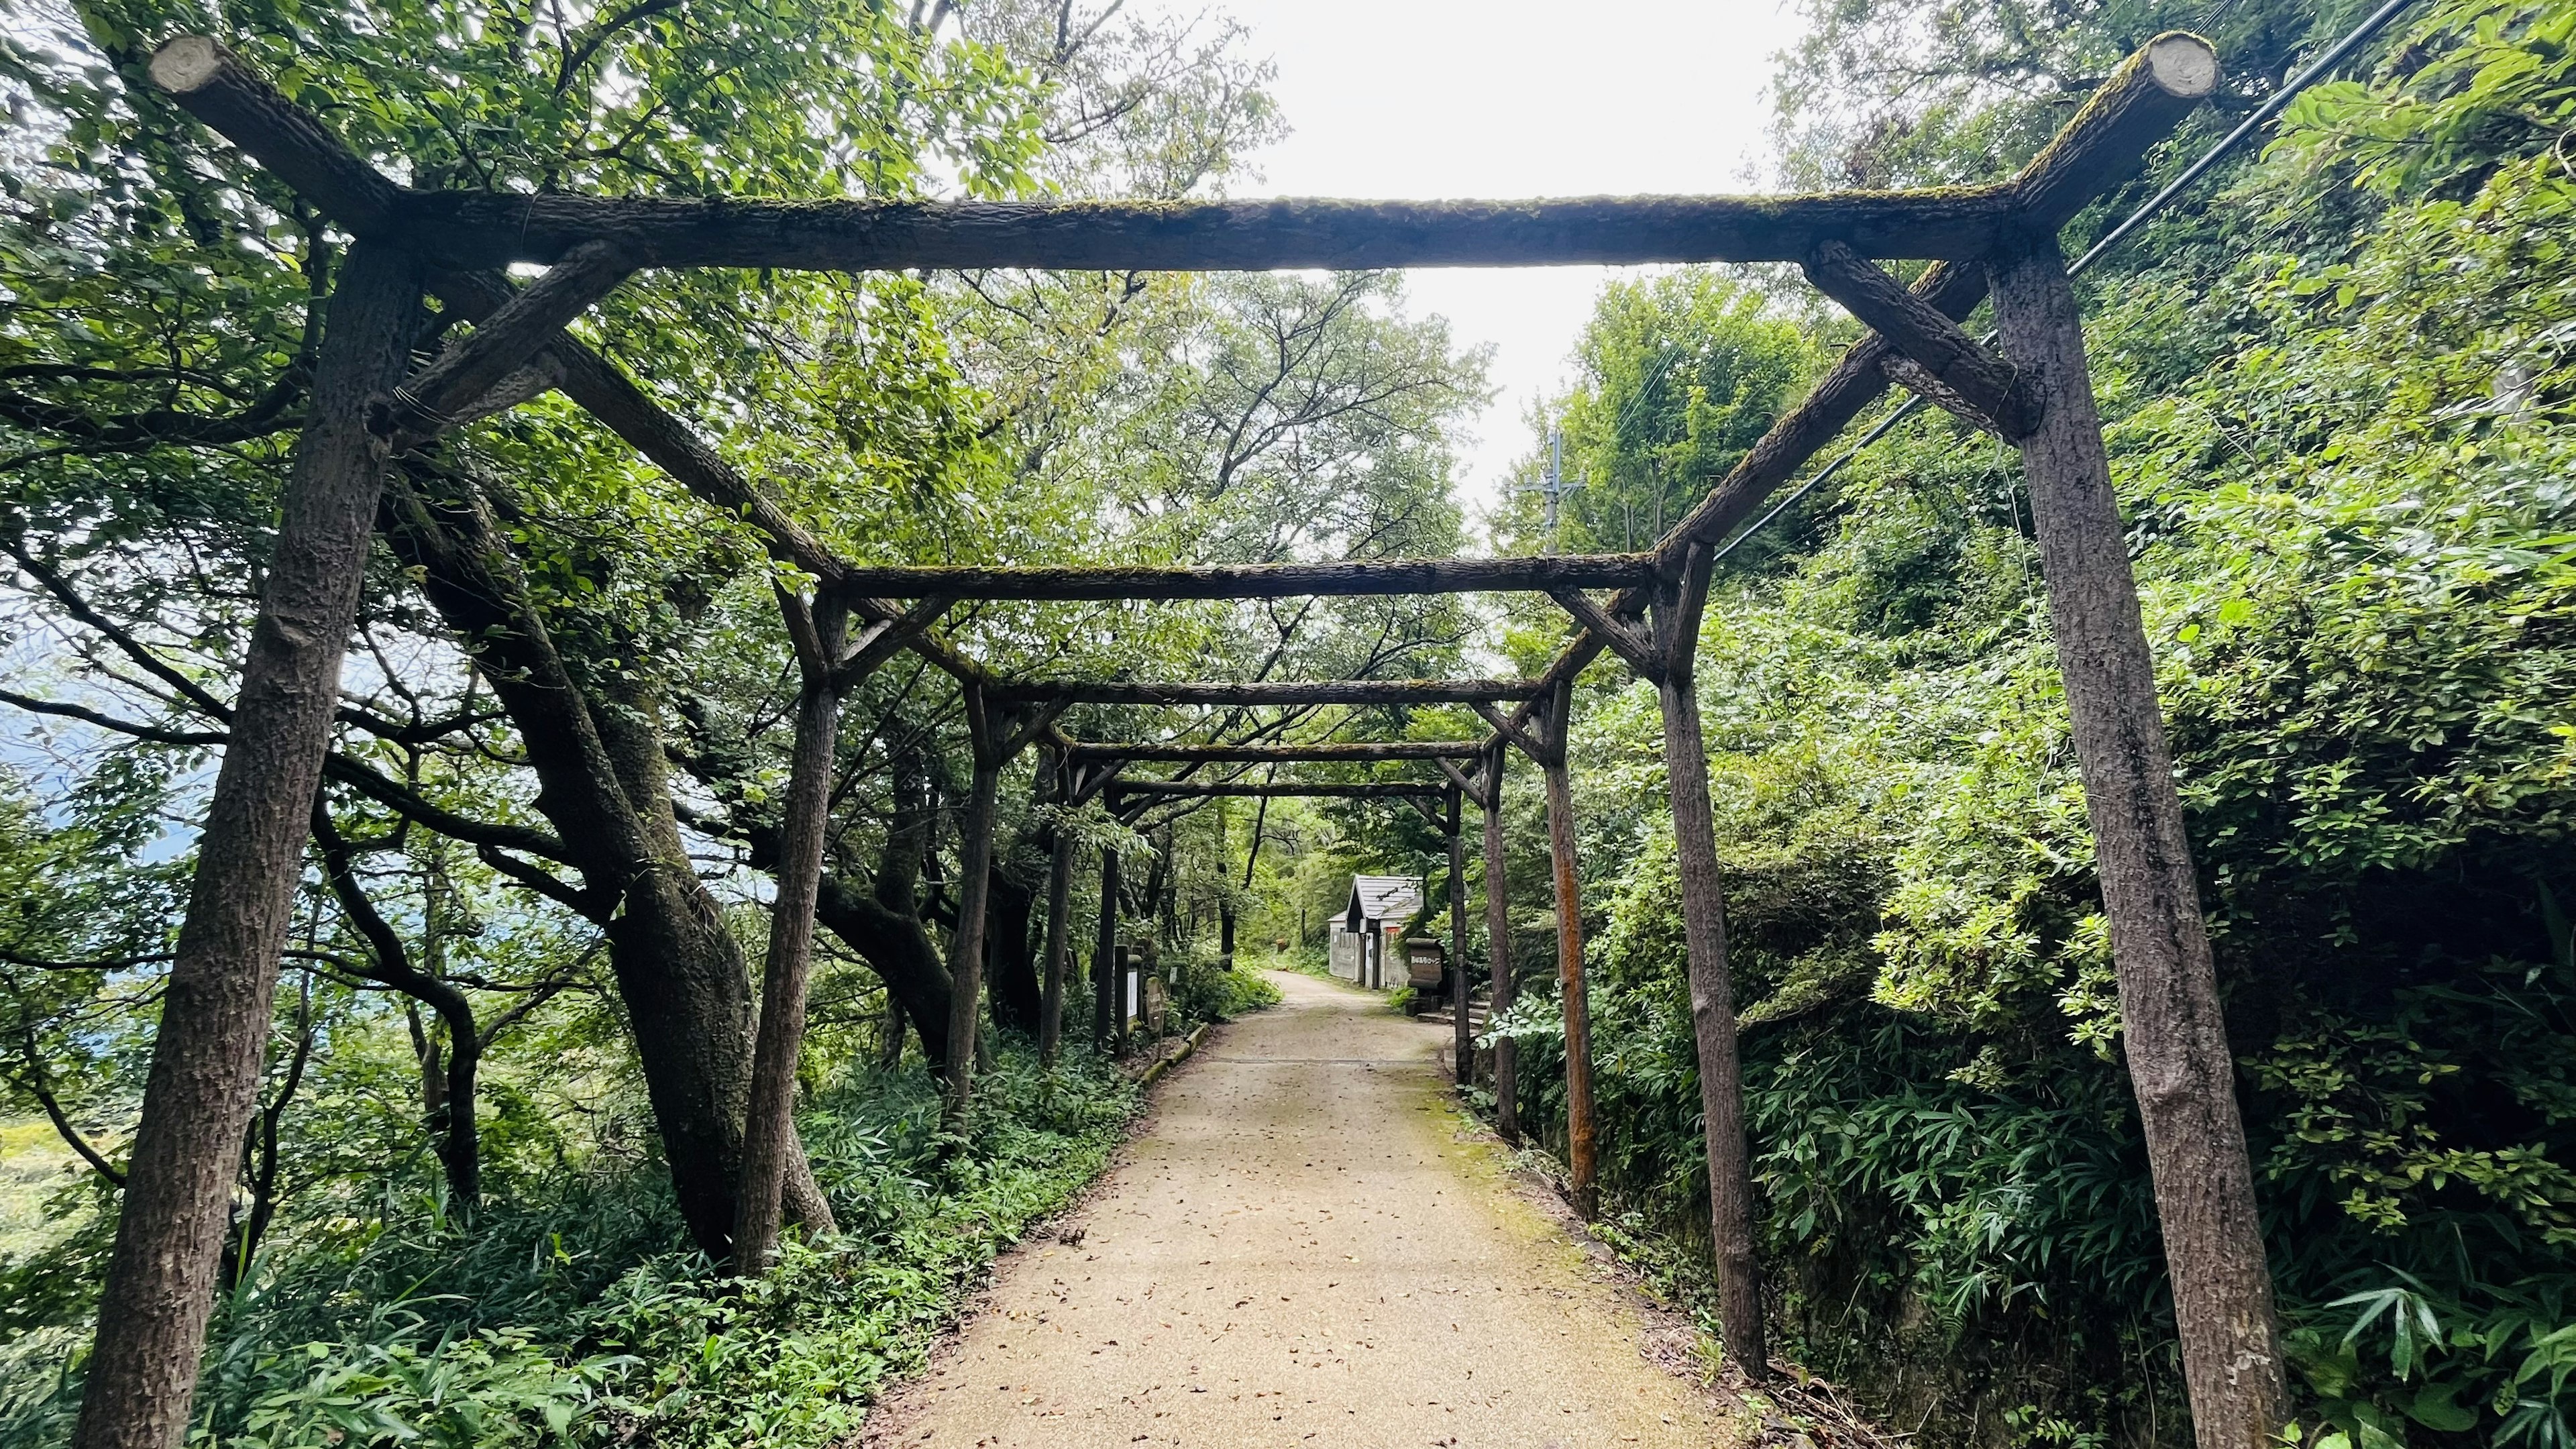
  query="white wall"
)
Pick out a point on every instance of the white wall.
point(1343, 953)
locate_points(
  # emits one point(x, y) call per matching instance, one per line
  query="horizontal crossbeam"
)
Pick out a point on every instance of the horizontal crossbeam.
point(1329, 691)
point(1261, 581)
point(1282, 789)
point(476, 229)
point(1258, 754)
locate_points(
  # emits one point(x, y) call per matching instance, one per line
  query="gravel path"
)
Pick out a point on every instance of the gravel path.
point(1302, 1248)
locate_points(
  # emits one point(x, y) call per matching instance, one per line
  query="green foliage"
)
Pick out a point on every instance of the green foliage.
point(2342, 441)
point(1680, 374)
point(572, 1316)
point(1211, 991)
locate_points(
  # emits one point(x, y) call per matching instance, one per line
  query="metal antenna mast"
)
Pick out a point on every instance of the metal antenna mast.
point(1553, 487)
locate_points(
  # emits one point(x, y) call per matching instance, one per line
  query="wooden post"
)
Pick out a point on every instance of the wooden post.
point(821, 632)
point(2172, 1031)
point(215, 1008)
point(1712, 984)
point(1059, 924)
point(1579, 1153)
point(1118, 1000)
point(1458, 995)
point(997, 734)
point(1498, 948)
point(974, 888)
point(1104, 959)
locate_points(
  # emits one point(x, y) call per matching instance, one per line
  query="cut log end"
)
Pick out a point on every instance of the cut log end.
point(2183, 64)
point(186, 64)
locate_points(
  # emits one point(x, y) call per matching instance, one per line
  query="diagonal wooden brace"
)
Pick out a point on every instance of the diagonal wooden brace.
point(1429, 811)
point(1092, 778)
point(1993, 391)
point(1625, 638)
point(1917, 379)
point(1529, 744)
point(428, 403)
point(880, 641)
point(1472, 786)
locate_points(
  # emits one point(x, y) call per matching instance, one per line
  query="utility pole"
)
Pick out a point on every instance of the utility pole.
point(1553, 487)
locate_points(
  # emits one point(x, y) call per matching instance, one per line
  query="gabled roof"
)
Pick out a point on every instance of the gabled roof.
point(1381, 898)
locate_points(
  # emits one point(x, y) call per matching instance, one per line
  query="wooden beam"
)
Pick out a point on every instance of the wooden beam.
point(1257, 754)
point(1276, 789)
point(1262, 581)
point(239, 104)
point(1467, 785)
point(2106, 140)
point(974, 892)
point(1056, 773)
point(1622, 636)
point(1423, 806)
point(425, 405)
point(1519, 730)
point(1227, 692)
point(2173, 1031)
point(486, 229)
point(879, 641)
point(481, 229)
point(820, 631)
point(1920, 331)
point(1090, 782)
point(1919, 380)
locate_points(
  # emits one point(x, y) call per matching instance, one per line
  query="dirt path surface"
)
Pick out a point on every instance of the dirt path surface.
point(1302, 1249)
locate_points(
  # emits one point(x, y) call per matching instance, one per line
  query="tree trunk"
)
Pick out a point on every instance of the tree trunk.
point(1010, 963)
point(1059, 926)
point(451, 1105)
point(975, 880)
point(215, 1009)
point(602, 782)
point(883, 924)
point(1498, 951)
point(898, 948)
point(769, 1122)
point(1712, 997)
point(2172, 1030)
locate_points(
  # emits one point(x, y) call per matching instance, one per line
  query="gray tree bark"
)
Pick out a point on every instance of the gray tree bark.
point(1712, 995)
point(974, 888)
point(204, 1080)
point(2172, 1031)
point(821, 632)
point(1059, 926)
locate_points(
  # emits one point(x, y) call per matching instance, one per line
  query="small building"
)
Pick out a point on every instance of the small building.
point(1377, 910)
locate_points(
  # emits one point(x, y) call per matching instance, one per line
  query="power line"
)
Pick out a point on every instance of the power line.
point(2334, 56)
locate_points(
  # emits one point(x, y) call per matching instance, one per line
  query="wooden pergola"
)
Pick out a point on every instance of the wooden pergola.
point(1996, 241)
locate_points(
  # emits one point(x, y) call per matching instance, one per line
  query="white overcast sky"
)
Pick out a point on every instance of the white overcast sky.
point(1510, 98)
